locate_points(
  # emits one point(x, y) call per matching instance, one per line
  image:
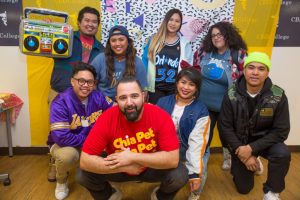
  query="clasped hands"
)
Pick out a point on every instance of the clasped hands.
point(124, 161)
point(244, 153)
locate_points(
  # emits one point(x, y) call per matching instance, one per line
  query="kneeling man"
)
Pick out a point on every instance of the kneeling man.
point(254, 121)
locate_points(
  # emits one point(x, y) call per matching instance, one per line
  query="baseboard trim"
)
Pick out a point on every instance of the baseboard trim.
point(292, 148)
point(25, 150)
point(216, 150)
point(45, 150)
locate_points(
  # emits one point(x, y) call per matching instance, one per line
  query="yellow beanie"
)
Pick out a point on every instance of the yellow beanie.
point(259, 57)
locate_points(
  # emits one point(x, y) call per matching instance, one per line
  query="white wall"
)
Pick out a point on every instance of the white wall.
point(13, 78)
point(285, 72)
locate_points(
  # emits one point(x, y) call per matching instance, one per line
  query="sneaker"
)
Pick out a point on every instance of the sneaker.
point(52, 170)
point(61, 191)
point(117, 195)
point(153, 194)
point(271, 196)
point(194, 196)
point(227, 159)
point(261, 167)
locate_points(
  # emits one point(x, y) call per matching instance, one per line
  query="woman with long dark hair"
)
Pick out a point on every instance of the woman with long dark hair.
point(118, 60)
point(191, 119)
point(163, 54)
point(221, 59)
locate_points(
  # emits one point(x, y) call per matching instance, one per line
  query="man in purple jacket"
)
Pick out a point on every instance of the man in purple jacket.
point(72, 114)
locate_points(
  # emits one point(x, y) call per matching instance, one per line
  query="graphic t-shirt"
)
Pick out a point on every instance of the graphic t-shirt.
point(214, 69)
point(155, 131)
point(167, 62)
point(176, 116)
point(87, 45)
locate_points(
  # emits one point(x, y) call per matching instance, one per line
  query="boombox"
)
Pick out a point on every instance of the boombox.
point(42, 38)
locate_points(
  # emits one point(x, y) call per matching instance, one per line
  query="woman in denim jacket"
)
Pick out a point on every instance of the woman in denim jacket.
point(191, 119)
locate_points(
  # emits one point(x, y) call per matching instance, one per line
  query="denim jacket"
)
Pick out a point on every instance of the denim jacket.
point(193, 133)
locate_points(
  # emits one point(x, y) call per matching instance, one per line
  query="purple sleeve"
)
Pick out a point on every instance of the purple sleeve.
point(60, 121)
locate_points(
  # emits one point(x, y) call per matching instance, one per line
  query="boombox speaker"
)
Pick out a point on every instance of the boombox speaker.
point(41, 38)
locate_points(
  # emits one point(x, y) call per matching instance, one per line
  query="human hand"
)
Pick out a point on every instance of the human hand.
point(119, 159)
point(244, 152)
point(195, 184)
point(133, 169)
point(252, 164)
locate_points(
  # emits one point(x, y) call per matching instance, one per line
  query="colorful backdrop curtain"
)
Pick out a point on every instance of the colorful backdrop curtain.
point(256, 19)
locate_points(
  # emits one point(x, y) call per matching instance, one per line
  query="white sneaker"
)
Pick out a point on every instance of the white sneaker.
point(153, 194)
point(271, 196)
point(61, 191)
point(117, 195)
point(194, 196)
point(261, 167)
point(227, 159)
point(226, 164)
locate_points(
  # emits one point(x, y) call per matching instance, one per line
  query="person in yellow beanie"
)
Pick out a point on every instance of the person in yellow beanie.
point(254, 121)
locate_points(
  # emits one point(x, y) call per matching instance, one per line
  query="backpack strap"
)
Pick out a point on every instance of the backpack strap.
point(198, 55)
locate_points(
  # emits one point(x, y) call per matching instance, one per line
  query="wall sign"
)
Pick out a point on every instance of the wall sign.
point(288, 30)
point(10, 13)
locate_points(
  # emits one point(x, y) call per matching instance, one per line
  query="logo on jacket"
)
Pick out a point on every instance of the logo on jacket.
point(266, 112)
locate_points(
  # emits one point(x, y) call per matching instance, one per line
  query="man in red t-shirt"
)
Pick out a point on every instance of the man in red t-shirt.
point(141, 143)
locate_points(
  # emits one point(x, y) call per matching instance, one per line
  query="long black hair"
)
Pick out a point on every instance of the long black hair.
point(130, 59)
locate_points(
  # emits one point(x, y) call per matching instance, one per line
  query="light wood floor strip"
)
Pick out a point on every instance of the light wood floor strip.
point(29, 181)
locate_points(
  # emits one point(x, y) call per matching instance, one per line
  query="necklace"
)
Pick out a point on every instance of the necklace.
point(184, 103)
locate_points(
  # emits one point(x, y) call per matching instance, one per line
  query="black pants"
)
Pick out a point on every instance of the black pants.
point(154, 97)
point(214, 116)
point(278, 157)
point(171, 181)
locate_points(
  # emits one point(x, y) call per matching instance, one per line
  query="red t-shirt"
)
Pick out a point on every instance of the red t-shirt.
point(155, 131)
point(87, 45)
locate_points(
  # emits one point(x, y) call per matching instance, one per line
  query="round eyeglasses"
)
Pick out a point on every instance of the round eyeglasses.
point(218, 35)
point(82, 81)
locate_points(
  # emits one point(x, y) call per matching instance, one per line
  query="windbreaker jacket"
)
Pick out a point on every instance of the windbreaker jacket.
point(63, 67)
point(186, 54)
point(71, 121)
point(193, 131)
point(268, 125)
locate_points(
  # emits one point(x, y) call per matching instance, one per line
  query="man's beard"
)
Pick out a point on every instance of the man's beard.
point(134, 115)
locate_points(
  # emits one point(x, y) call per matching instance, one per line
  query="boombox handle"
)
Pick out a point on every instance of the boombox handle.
point(43, 11)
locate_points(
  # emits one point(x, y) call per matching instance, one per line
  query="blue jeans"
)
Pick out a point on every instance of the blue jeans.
point(204, 174)
point(172, 180)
